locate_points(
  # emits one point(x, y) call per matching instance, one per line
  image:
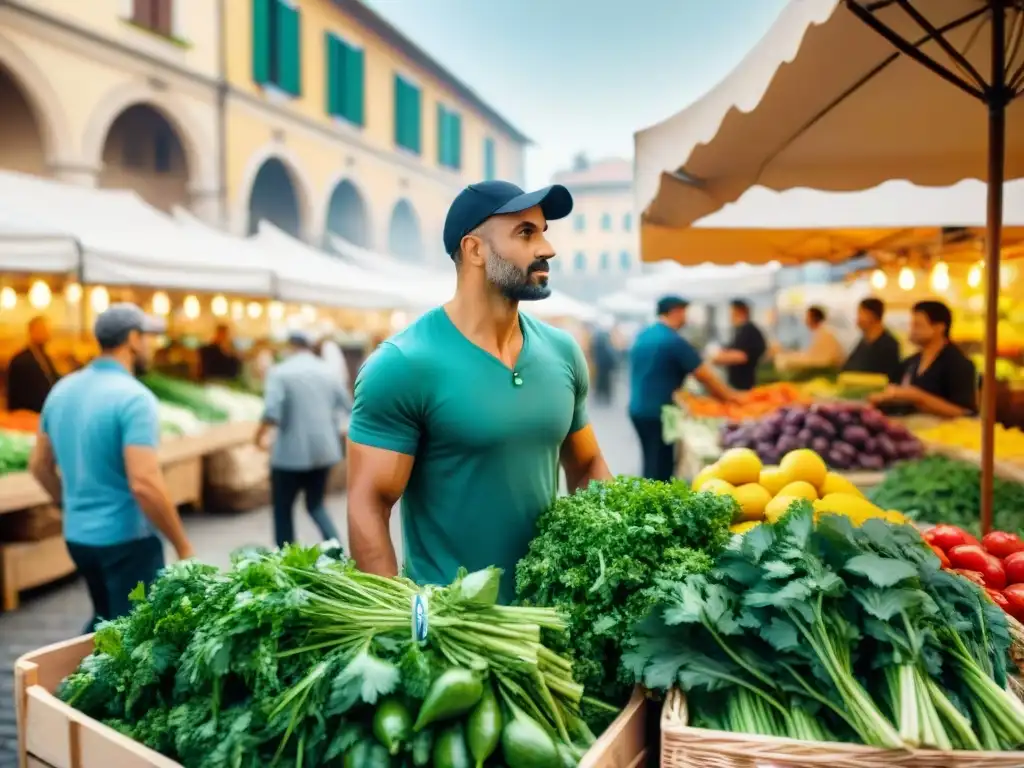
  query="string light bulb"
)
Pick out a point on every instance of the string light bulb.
point(219, 306)
point(161, 304)
point(73, 293)
point(237, 310)
point(39, 295)
point(276, 310)
point(191, 307)
point(308, 313)
point(940, 277)
point(8, 298)
point(99, 299)
point(906, 280)
point(879, 280)
point(254, 310)
point(974, 276)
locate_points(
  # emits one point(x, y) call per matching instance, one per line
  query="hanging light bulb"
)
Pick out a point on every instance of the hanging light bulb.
point(39, 295)
point(219, 306)
point(237, 310)
point(974, 276)
point(254, 310)
point(161, 304)
point(276, 310)
point(99, 299)
point(308, 313)
point(906, 280)
point(8, 298)
point(879, 280)
point(72, 293)
point(191, 307)
point(940, 277)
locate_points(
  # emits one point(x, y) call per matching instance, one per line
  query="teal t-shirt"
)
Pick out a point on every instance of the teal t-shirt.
point(486, 448)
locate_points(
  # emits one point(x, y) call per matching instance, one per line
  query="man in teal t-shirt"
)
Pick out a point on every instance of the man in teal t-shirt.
point(467, 413)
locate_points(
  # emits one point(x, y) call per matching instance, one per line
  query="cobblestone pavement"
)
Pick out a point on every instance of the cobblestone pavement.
point(59, 611)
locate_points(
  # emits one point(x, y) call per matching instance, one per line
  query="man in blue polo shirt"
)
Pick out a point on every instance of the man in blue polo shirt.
point(96, 455)
point(659, 363)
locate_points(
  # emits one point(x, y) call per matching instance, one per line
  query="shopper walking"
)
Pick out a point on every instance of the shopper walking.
point(96, 456)
point(304, 401)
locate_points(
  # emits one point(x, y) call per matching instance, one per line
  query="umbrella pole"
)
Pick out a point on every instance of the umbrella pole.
point(997, 100)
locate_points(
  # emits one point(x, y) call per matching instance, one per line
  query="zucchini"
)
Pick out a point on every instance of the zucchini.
point(483, 728)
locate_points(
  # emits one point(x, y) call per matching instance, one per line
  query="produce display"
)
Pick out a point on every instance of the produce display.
point(995, 563)
point(598, 556)
point(295, 658)
point(937, 489)
point(846, 386)
point(966, 434)
point(766, 492)
point(850, 436)
point(699, 434)
point(756, 403)
point(176, 421)
point(188, 409)
point(820, 631)
point(19, 421)
point(15, 449)
point(186, 395)
point(238, 405)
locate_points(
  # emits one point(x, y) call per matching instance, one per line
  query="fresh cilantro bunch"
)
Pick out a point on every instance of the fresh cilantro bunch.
point(598, 555)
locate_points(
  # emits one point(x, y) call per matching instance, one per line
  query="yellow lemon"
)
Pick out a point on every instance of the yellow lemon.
point(801, 490)
point(778, 507)
point(773, 479)
point(894, 517)
point(718, 487)
point(836, 483)
point(804, 464)
point(739, 466)
point(857, 508)
point(703, 476)
point(752, 499)
point(742, 528)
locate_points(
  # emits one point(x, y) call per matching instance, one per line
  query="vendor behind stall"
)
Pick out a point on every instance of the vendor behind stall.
point(659, 363)
point(939, 380)
point(742, 355)
point(824, 350)
point(218, 359)
point(877, 351)
point(31, 374)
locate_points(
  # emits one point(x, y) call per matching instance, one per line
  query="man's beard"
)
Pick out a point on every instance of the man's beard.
point(514, 283)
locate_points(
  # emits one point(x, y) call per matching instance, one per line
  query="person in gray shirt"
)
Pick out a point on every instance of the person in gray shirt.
point(304, 400)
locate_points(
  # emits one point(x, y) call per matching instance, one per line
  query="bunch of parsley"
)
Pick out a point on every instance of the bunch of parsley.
point(820, 631)
point(598, 555)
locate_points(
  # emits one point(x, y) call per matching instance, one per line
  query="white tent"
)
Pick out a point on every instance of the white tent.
point(305, 274)
point(435, 287)
point(704, 283)
point(124, 241)
point(626, 303)
point(32, 247)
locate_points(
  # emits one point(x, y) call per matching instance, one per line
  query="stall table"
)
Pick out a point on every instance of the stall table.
point(24, 565)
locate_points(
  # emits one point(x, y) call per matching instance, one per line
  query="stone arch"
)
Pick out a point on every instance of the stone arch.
point(275, 197)
point(200, 150)
point(36, 89)
point(347, 214)
point(300, 182)
point(405, 237)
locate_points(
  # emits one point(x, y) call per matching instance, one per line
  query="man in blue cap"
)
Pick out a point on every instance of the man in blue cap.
point(659, 363)
point(96, 456)
point(467, 413)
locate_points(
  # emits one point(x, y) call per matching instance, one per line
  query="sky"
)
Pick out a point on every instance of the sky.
point(583, 75)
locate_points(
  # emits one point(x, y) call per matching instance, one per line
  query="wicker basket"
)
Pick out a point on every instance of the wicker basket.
point(686, 747)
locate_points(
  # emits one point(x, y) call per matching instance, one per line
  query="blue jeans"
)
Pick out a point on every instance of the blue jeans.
point(285, 487)
point(658, 456)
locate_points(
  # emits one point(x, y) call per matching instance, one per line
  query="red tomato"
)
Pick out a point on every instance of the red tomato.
point(999, 599)
point(974, 576)
point(1002, 544)
point(1014, 567)
point(942, 556)
point(1014, 595)
point(929, 535)
point(948, 536)
point(974, 558)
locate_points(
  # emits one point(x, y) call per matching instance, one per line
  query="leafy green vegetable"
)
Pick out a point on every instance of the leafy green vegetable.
point(598, 555)
point(184, 394)
point(937, 489)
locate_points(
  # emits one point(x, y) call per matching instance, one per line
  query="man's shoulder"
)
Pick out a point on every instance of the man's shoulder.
point(548, 334)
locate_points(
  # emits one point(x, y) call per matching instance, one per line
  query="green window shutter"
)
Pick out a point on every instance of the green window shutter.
point(442, 136)
point(261, 10)
point(415, 118)
point(400, 117)
point(455, 140)
point(354, 85)
point(334, 55)
point(289, 50)
point(408, 128)
point(489, 164)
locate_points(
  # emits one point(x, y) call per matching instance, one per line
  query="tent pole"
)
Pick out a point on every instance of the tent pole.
point(997, 100)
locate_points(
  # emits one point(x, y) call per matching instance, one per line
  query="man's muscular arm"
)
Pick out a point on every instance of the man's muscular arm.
point(582, 459)
point(376, 480)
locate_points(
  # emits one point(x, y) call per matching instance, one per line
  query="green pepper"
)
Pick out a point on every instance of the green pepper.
point(454, 693)
point(367, 754)
point(526, 744)
point(483, 728)
point(392, 724)
point(450, 749)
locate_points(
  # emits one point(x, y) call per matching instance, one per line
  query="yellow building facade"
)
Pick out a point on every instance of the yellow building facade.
point(316, 115)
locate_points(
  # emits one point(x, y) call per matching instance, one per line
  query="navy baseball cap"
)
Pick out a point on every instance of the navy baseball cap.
point(113, 324)
point(667, 303)
point(478, 202)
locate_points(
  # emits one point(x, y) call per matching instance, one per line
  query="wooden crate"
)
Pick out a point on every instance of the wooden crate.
point(184, 479)
point(58, 736)
point(24, 565)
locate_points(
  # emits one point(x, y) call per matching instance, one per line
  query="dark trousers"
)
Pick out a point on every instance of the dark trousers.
point(285, 487)
point(112, 572)
point(659, 457)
